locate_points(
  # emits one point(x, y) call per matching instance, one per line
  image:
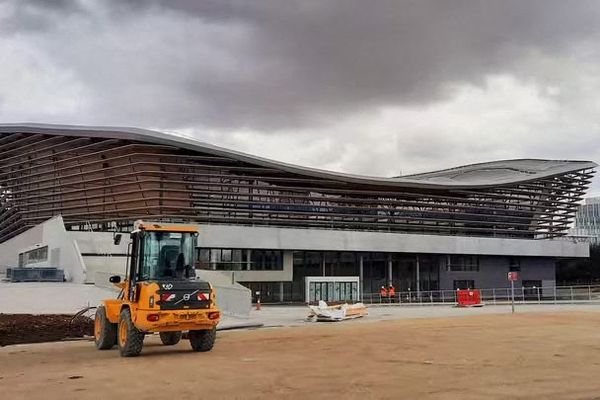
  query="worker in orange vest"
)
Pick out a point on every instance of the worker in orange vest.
point(391, 292)
point(383, 293)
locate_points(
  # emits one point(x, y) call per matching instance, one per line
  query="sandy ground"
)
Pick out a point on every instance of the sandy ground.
point(522, 356)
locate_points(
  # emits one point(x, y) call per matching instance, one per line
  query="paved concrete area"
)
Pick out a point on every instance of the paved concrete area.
point(272, 316)
point(68, 298)
point(49, 297)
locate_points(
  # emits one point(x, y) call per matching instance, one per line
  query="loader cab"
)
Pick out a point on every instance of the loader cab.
point(166, 255)
point(160, 253)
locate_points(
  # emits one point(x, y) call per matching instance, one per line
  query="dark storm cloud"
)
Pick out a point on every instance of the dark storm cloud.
point(370, 87)
point(304, 63)
point(37, 15)
point(316, 59)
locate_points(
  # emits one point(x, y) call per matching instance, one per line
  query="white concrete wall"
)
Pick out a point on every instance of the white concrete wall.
point(103, 267)
point(246, 237)
point(100, 242)
point(108, 259)
point(9, 250)
point(53, 234)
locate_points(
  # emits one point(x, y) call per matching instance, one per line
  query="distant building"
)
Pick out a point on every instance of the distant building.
point(587, 220)
point(64, 191)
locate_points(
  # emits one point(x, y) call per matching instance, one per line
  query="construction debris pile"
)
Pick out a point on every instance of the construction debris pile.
point(27, 328)
point(341, 312)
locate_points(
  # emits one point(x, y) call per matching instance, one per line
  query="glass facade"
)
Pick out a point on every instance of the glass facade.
point(376, 269)
point(33, 256)
point(407, 272)
point(587, 220)
point(240, 260)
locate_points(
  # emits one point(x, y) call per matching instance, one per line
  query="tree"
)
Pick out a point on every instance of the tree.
point(582, 271)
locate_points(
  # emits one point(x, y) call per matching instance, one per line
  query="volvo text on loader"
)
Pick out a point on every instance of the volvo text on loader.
point(159, 294)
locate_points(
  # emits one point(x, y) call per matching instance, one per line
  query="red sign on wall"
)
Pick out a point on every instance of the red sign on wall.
point(513, 276)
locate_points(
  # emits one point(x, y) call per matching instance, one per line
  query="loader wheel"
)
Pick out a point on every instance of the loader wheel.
point(203, 340)
point(131, 339)
point(170, 338)
point(105, 333)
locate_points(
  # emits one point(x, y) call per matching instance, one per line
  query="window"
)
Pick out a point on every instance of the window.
point(462, 263)
point(266, 260)
point(464, 284)
point(203, 259)
point(240, 259)
point(514, 264)
point(228, 259)
point(166, 255)
point(33, 256)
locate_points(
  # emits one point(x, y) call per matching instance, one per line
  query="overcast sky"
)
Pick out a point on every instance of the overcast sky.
point(377, 88)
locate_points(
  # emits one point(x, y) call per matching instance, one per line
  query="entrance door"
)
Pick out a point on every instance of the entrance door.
point(374, 272)
point(332, 290)
point(404, 272)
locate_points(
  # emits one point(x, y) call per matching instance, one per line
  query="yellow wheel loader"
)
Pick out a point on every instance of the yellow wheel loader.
point(159, 294)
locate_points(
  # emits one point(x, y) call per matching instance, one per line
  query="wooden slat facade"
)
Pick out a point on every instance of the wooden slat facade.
point(92, 181)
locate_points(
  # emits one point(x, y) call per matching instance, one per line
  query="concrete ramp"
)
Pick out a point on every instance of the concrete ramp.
point(232, 298)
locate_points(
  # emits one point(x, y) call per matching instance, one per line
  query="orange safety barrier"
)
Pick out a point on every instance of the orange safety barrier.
point(469, 298)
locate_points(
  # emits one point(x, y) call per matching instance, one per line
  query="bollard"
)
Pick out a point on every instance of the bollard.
point(257, 301)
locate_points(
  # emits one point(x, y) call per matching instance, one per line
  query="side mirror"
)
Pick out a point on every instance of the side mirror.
point(115, 279)
point(117, 239)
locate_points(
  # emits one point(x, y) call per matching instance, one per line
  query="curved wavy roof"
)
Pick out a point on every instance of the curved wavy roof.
point(479, 175)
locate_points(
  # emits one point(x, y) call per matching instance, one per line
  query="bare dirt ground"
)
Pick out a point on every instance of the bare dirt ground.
point(527, 356)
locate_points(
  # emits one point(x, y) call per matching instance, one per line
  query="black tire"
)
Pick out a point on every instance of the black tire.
point(203, 340)
point(130, 339)
point(170, 338)
point(105, 333)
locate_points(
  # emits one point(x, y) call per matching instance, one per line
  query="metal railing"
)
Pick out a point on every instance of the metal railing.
point(523, 295)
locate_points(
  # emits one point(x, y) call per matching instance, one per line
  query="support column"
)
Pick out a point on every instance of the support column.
point(390, 277)
point(323, 262)
point(248, 262)
point(418, 276)
point(360, 280)
point(281, 292)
